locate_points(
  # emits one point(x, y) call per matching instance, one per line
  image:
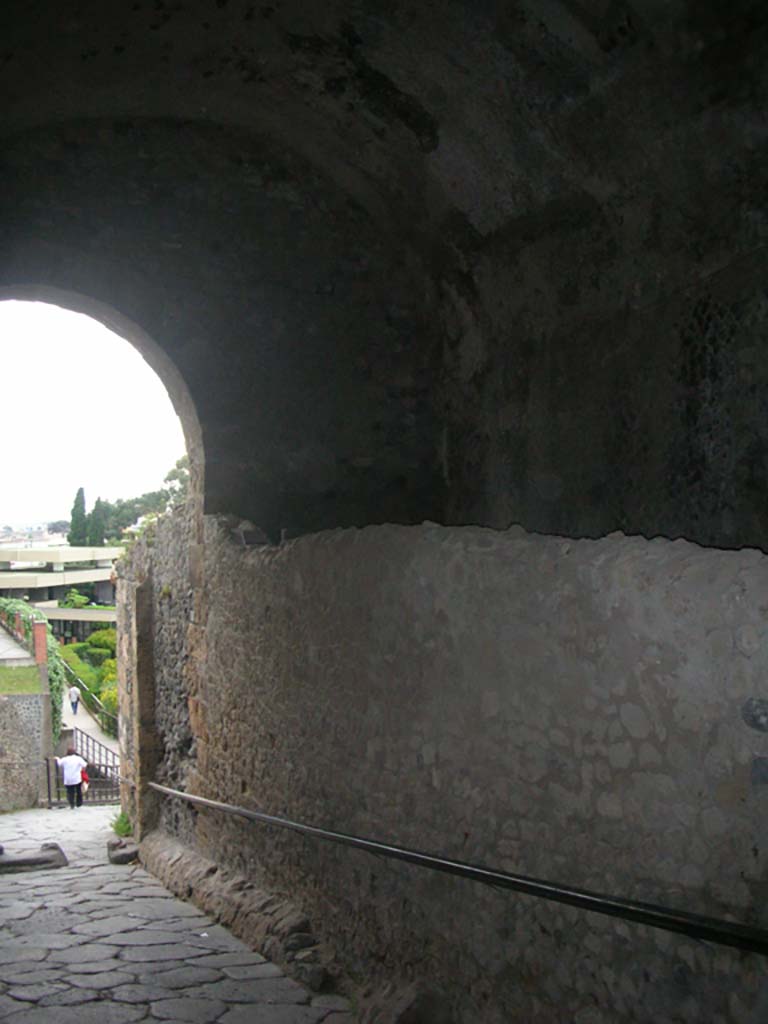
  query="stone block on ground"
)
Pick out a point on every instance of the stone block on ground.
point(50, 856)
point(122, 851)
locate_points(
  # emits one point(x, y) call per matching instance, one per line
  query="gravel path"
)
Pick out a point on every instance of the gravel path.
point(96, 943)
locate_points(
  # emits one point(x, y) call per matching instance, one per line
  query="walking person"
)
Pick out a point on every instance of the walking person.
point(72, 769)
point(74, 697)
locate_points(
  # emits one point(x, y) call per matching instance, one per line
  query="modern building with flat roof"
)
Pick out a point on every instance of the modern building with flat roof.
point(46, 573)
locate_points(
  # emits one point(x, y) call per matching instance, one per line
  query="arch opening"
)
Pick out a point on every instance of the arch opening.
point(127, 330)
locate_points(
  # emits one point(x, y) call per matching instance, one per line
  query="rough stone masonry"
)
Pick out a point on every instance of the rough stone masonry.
point(586, 712)
point(472, 263)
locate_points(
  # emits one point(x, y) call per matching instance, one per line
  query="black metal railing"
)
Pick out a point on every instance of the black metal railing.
point(696, 926)
point(103, 787)
point(95, 752)
point(107, 721)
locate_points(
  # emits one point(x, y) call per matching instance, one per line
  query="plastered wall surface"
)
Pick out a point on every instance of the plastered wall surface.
point(23, 743)
point(588, 712)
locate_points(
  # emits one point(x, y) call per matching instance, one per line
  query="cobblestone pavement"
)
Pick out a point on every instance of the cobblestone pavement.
point(96, 943)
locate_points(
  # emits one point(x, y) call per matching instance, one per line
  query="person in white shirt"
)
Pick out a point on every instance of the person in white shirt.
point(72, 770)
point(74, 697)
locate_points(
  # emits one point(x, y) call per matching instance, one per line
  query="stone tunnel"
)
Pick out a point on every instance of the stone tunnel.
point(463, 307)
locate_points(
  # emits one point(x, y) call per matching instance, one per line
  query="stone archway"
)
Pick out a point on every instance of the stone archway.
point(151, 352)
point(139, 738)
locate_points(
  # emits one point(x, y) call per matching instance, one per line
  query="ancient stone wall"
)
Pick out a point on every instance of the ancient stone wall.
point(25, 726)
point(588, 712)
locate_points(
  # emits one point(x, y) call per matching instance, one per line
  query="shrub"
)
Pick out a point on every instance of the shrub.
point(82, 669)
point(121, 824)
point(108, 698)
point(96, 656)
point(105, 639)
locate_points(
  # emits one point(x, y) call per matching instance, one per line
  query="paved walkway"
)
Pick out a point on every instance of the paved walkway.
point(10, 650)
point(94, 943)
point(85, 722)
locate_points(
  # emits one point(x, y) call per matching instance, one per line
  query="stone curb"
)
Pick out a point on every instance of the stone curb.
point(270, 924)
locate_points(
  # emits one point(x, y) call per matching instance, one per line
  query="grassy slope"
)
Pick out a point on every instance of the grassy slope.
point(20, 680)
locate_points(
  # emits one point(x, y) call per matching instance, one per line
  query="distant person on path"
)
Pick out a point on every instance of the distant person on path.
point(72, 769)
point(74, 697)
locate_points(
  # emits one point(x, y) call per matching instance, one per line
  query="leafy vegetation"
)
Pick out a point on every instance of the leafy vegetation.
point(74, 599)
point(93, 662)
point(109, 699)
point(24, 679)
point(57, 682)
point(105, 639)
point(121, 824)
point(108, 519)
point(96, 525)
point(177, 483)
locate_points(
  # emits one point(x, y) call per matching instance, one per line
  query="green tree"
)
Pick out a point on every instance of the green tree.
point(96, 525)
point(177, 482)
point(74, 599)
point(126, 511)
point(78, 530)
point(58, 526)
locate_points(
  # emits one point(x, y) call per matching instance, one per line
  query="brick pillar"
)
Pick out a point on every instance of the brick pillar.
point(18, 628)
point(40, 637)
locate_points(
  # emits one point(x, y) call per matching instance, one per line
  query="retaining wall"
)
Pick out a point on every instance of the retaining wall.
point(25, 741)
point(588, 712)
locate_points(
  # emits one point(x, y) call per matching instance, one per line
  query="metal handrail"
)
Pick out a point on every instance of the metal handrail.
point(697, 926)
point(92, 750)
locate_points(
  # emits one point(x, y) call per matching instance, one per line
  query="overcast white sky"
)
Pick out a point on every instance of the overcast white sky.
point(82, 401)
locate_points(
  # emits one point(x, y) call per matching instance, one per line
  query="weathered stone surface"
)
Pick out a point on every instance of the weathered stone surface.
point(72, 997)
point(103, 979)
point(245, 971)
point(109, 925)
point(34, 993)
point(408, 1004)
point(263, 990)
point(141, 937)
point(157, 954)
point(197, 1011)
point(331, 1002)
point(122, 851)
point(24, 741)
point(274, 1015)
point(475, 263)
point(50, 856)
point(87, 977)
point(624, 625)
point(89, 1013)
point(184, 977)
point(143, 992)
point(92, 952)
point(94, 966)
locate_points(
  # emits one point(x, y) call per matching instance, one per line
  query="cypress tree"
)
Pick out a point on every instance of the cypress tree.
point(78, 527)
point(96, 525)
